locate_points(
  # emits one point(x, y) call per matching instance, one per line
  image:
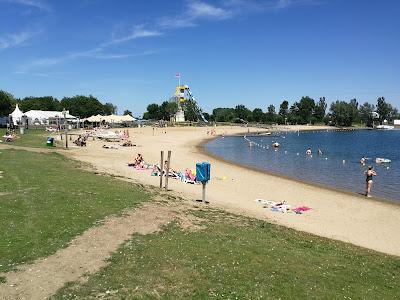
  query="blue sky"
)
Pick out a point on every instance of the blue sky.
point(252, 52)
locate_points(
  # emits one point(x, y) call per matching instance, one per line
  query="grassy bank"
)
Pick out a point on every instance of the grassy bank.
point(32, 138)
point(238, 258)
point(46, 200)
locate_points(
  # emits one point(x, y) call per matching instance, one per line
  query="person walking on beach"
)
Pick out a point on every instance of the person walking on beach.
point(369, 174)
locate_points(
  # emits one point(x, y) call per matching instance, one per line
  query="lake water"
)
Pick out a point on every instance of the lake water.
point(339, 165)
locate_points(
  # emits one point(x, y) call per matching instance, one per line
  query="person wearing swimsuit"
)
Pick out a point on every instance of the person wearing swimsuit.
point(369, 174)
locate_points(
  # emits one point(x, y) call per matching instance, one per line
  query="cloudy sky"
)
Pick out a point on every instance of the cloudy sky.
point(252, 52)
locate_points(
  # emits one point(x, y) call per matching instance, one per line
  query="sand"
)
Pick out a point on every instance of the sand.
point(335, 214)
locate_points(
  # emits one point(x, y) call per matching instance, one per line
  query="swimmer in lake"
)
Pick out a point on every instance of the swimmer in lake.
point(309, 152)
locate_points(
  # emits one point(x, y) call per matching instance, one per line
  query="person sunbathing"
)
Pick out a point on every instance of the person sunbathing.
point(128, 144)
point(9, 137)
point(171, 172)
point(137, 161)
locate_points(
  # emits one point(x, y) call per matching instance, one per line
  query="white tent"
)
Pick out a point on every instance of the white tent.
point(16, 115)
point(128, 118)
point(44, 117)
point(95, 119)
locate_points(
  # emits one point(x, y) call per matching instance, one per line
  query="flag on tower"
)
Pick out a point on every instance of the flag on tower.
point(178, 75)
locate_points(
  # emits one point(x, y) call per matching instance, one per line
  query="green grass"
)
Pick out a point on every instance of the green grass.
point(32, 138)
point(46, 200)
point(238, 258)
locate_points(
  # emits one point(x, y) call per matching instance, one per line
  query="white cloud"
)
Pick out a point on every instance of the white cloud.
point(16, 39)
point(39, 4)
point(137, 33)
point(195, 11)
point(199, 9)
point(96, 53)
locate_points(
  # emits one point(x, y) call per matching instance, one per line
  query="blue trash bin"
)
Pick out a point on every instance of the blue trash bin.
point(50, 142)
point(203, 171)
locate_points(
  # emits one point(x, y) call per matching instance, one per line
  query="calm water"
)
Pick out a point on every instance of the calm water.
point(338, 166)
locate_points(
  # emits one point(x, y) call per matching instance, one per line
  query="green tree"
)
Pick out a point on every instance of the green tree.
point(40, 103)
point(385, 110)
point(258, 115)
point(153, 112)
point(354, 110)
point(283, 109)
point(172, 108)
point(192, 110)
point(342, 113)
point(163, 111)
point(320, 109)
point(6, 103)
point(365, 113)
point(128, 112)
point(109, 109)
point(270, 115)
point(221, 114)
point(294, 113)
point(84, 106)
point(242, 113)
point(306, 109)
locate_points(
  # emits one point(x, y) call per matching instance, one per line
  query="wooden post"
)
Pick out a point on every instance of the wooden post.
point(161, 168)
point(167, 171)
point(66, 129)
point(203, 195)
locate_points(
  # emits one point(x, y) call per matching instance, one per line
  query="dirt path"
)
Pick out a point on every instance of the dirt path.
point(85, 254)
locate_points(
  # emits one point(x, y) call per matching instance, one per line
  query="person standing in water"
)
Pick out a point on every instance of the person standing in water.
point(369, 174)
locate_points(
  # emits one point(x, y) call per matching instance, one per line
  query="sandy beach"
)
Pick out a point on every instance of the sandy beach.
point(338, 215)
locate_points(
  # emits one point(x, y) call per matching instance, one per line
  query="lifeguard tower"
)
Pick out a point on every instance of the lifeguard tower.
point(182, 94)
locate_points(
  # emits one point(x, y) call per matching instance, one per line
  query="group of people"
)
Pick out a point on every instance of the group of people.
point(309, 151)
point(80, 141)
point(189, 176)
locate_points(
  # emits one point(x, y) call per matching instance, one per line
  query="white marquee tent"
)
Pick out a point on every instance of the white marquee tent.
point(45, 117)
point(16, 115)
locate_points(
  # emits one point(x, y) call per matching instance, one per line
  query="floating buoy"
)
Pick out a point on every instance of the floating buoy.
point(343, 161)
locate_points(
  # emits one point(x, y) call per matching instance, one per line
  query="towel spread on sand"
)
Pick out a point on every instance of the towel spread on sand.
point(282, 206)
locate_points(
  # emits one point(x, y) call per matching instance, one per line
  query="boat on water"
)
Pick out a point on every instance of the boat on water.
point(385, 127)
point(380, 160)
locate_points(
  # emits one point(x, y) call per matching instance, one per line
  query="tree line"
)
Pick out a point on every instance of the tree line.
point(168, 109)
point(304, 111)
point(79, 106)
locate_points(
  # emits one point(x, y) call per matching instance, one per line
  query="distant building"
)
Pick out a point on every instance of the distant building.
point(396, 122)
